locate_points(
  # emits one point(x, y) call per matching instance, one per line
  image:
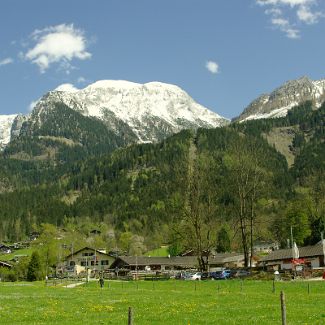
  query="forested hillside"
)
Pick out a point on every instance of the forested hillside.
point(53, 143)
point(219, 188)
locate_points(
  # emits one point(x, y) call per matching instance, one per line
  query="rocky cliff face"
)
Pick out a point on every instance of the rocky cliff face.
point(282, 99)
point(17, 125)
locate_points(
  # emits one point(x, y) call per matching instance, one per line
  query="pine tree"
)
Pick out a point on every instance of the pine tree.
point(34, 271)
point(223, 241)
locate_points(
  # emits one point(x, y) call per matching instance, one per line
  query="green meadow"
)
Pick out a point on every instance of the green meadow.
point(163, 302)
point(20, 252)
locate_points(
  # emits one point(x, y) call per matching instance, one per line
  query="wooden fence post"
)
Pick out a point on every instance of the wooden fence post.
point(283, 309)
point(130, 317)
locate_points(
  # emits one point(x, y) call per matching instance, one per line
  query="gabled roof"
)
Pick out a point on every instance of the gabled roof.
point(146, 260)
point(5, 264)
point(306, 251)
point(88, 248)
point(229, 257)
point(183, 261)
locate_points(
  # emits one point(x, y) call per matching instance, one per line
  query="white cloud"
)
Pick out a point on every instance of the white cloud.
point(69, 88)
point(32, 105)
point(212, 66)
point(6, 61)
point(291, 3)
point(281, 10)
point(292, 33)
point(81, 80)
point(275, 12)
point(284, 25)
point(57, 44)
point(280, 22)
point(307, 16)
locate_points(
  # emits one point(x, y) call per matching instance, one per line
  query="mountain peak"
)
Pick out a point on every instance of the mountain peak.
point(123, 84)
point(290, 94)
point(147, 112)
point(150, 111)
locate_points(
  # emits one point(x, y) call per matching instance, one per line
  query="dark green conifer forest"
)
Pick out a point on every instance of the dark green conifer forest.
point(221, 188)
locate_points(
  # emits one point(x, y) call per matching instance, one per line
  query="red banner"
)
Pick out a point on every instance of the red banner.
point(298, 261)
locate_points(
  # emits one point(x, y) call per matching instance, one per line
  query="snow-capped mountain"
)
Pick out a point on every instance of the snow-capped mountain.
point(10, 126)
point(282, 99)
point(6, 122)
point(150, 111)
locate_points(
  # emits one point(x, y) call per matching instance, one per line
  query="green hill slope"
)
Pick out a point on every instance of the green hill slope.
point(189, 185)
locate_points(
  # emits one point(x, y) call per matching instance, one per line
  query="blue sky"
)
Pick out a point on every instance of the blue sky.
point(223, 53)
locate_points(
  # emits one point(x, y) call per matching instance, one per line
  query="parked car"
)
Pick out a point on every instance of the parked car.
point(206, 275)
point(221, 275)
point(194, 276)
point(181, 276)
point(241, 274)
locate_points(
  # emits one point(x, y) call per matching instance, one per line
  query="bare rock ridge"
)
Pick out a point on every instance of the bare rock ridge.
point(282, 99)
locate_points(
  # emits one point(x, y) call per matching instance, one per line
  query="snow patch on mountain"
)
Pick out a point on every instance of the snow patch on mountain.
point(280, 112)
point(282, 99)
point(148, 109)
point(6, 122)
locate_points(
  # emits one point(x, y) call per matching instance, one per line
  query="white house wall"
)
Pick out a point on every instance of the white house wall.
point(286, 266)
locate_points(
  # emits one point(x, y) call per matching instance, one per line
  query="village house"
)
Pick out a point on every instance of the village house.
point(220, 259)
point(284, 259)
point(5, 265)
point(265, 246)
point(86, 259)
point(164, 264)
point(34, 235)
point(5, 249)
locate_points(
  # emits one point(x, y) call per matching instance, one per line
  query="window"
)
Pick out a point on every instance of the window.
point(104, 262)
point(88, 254)
point(72, 263)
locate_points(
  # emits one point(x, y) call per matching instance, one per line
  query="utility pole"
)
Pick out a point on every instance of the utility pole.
point(72, 250)
point(95, 261)
point(291, 234)
point(323, 244)
point(87, 274)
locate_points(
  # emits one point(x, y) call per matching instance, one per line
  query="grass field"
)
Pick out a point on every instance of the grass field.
point(166, 302)
point(159, 252)
point(24, 251)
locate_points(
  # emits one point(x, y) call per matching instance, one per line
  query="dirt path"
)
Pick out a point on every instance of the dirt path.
point(73, 285)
